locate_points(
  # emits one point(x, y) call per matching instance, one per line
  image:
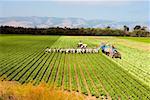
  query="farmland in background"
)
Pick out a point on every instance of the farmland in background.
point(22, 59)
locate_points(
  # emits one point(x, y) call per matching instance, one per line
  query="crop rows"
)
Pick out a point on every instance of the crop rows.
point(90, 74)
point(136, 63)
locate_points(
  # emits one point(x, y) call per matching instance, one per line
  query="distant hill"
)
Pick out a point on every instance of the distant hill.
point(44, 22)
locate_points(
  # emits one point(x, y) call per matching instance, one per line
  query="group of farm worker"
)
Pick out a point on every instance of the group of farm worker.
point(106, 48)
point(81, 48)
point(71, 50)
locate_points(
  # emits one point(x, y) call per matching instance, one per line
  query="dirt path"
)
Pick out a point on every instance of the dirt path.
point(57, 73)
point(79, 88)
point(88, 73)
point(63, 73)
point(90, 78)
point(70, 85)
point(84, 80)
point(100, 81)
point(80, 96)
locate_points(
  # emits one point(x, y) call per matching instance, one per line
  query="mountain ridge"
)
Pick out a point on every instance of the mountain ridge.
point(72, 22)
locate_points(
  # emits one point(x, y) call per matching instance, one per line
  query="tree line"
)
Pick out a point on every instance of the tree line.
point(108, 31)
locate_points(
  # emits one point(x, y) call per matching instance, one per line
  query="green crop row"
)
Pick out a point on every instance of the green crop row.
point(24, 60)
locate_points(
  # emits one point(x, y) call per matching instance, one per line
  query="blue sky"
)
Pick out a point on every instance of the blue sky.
point(118, 10)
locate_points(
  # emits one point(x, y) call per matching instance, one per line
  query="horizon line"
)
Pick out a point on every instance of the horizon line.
point(74, 17)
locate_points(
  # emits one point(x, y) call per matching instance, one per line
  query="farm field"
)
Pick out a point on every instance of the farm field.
point(22, 59)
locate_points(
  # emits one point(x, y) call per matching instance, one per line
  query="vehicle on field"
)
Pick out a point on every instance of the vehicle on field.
point(81, 45)
point(110, 50)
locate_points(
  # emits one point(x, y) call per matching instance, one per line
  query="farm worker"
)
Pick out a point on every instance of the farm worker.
point(102, 47)
point(80, 44)
point(111, 50)
point(114, 49)
point(83, 46)
point(97, 49)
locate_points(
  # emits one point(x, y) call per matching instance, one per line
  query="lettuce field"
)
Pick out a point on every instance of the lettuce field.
point(22, 59)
